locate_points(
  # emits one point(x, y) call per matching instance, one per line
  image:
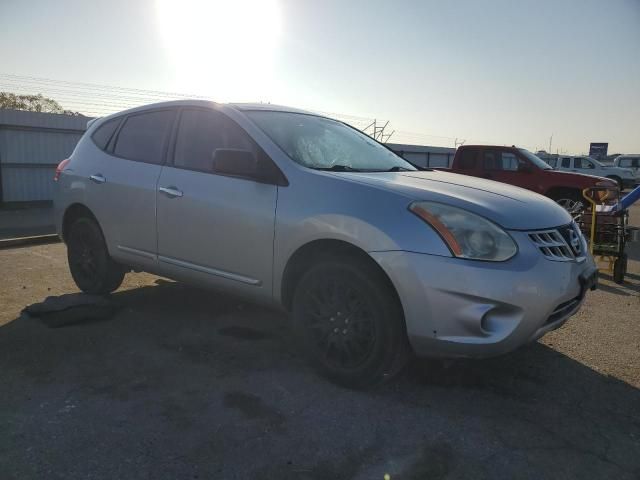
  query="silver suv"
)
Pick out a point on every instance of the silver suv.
point(373, 258)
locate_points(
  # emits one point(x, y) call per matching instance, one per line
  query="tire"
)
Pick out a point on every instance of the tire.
point(91, 266)
point(350, 323)
point(618, 180)
point(620, 269)
point(570, 200)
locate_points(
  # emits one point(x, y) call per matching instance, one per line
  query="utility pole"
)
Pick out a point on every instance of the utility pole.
point(550, 140)
point(378, 132)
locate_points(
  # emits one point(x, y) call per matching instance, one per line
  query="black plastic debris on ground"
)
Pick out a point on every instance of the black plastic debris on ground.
point(71, 309)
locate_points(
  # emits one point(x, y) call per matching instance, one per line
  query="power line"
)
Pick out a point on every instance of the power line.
point(100, 99)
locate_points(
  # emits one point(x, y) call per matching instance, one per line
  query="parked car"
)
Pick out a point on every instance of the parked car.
point(629, 162)
point(519, 167)
point(373, 258)
point(624, 177)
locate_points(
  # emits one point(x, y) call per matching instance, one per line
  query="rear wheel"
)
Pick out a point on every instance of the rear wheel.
point(92, 268)
point(350, 323)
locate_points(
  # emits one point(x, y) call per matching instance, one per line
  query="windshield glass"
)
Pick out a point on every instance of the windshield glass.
point(537, 161)
point(321, 143)
point(597, 162)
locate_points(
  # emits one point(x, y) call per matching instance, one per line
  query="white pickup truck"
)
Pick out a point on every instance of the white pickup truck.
point(631, 162)
point(624, 176)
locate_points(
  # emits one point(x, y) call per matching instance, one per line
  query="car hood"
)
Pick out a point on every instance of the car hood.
point(587, 180)
point(511, 207)
point(615, 169)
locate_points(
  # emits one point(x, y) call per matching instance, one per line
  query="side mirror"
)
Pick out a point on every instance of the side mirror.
point(235, 162)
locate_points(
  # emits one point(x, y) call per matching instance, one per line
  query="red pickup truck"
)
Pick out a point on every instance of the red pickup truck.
point(519, 167)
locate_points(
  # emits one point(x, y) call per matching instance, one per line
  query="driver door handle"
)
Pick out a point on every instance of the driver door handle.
point(171, 192)
point(97, 178)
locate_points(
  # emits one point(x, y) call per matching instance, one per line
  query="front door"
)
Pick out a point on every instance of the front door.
point(213, 227)
point(507, 167)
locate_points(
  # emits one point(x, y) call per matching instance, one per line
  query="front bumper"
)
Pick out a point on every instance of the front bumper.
point(463, 308)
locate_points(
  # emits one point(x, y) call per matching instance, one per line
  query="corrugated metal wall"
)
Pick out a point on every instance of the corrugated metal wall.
point(31, 145)
point(424, 155)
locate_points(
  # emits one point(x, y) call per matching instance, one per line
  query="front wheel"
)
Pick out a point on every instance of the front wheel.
point(618, 180)
point(350, 323)
point(570, 201)
point(92, 268)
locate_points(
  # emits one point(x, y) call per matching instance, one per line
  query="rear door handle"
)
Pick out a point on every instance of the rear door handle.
point(171, 192)
point(97, 178)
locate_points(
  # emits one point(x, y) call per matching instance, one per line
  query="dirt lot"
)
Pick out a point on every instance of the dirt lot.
point(182, 383)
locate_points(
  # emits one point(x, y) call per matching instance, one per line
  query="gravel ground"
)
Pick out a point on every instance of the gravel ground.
point(183, 383)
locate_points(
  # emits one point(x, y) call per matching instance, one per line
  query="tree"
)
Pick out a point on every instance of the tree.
point(32, 103)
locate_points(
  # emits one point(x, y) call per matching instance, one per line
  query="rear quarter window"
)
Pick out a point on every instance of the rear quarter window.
point(143, 136)
point(104, 132)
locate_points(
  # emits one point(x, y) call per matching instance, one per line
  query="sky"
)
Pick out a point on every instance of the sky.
point(493, 71)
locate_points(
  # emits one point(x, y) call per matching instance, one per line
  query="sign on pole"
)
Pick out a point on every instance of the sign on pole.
point(598, 150)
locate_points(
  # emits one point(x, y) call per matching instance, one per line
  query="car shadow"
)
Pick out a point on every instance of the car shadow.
point(204, 376)
point(630, 287)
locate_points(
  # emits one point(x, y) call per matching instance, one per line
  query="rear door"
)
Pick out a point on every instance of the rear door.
point(211, 227)
point(123, 185)
point(466, 162)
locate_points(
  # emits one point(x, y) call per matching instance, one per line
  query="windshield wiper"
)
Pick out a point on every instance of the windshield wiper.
point(337, 168)
point(399, 169)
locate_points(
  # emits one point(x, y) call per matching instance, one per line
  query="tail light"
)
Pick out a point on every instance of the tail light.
point(59, 169)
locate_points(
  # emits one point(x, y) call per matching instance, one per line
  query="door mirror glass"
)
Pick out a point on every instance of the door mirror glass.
point(235, 162)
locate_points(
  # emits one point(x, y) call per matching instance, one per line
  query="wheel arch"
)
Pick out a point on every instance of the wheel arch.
point(310, 253)
point(72, 213)
point(617, 179)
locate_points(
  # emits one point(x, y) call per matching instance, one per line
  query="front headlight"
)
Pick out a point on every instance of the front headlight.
point(466, 234)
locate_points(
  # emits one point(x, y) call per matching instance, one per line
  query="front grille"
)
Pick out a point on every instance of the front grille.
point(562, 244)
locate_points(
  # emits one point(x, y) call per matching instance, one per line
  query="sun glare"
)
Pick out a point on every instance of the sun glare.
point(221, 48)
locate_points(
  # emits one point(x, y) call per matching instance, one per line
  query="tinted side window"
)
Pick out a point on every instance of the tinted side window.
point(103, 133)
point(491, 160)
point(201, 132)
point(468, 159)
point(628, 162)
point(584, 163)
point(143, 135)
point(566, 163)
point(509, 162)
point(506, 161)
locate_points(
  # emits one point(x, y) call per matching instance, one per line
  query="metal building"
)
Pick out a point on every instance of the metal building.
point(423, 155)
point(31, 146)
